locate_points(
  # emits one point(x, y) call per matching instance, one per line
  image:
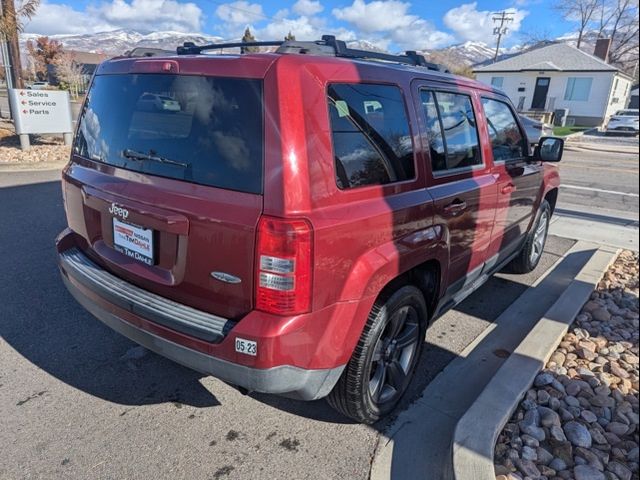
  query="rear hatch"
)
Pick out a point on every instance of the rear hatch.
point(165, 185)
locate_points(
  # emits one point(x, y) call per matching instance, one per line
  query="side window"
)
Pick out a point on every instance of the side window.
point(371, 138)
point(507, 141)
point(452, 130)
point(434, 129)
point(497, 82)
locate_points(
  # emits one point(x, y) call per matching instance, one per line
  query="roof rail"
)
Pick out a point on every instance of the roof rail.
point(190, 48)
point(410, 57)
point(329, 45)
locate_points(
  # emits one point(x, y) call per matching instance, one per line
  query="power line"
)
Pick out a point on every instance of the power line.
point(504, 18)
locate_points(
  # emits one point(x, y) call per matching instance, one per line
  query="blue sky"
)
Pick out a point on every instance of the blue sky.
point(393, 24)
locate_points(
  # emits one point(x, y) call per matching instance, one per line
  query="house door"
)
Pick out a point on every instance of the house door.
point(540, 93)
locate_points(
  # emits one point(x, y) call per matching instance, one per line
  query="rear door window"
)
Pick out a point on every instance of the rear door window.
point(204, 130)
point(507, 140)
point(452, 129)
point(371, 137)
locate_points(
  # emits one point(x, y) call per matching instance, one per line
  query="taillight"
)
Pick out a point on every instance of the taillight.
point(283, 278)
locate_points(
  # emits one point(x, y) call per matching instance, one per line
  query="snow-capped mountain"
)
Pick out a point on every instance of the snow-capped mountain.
point(117, 42)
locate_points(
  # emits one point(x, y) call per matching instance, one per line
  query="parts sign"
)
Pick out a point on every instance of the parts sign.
point(40, 111)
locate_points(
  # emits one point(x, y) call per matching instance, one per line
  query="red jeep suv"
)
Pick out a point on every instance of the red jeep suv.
point(290, 222)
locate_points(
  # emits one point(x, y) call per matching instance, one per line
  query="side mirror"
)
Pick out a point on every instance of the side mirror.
point(549, 149)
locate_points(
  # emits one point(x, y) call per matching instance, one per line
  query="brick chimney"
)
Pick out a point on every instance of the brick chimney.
point(602, 49)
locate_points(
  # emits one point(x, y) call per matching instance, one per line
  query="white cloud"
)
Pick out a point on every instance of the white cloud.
point(471, 24)
point(303, 27)
point(307, 7)
point(152, 15)
point(376, 16)
point(52, 19)
point(240, 12)
point(143, 15)
point(389, 21)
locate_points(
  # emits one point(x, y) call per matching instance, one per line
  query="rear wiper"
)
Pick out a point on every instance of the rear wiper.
point(133, 155)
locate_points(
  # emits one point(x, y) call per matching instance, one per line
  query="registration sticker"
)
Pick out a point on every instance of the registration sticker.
point(135, 242)
point(247, 347)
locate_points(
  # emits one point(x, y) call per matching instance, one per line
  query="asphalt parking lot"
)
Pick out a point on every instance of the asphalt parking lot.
point(79, 401)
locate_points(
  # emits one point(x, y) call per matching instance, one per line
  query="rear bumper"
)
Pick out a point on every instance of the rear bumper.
point(98, 299)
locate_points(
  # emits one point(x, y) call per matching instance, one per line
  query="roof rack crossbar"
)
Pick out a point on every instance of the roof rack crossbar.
point(190, 48)
point(410, 57)
point(339, 48)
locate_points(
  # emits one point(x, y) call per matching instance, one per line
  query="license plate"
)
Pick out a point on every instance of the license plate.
point(135, 242)
point(247, 347)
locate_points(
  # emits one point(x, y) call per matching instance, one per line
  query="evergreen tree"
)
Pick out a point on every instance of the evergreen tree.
point(248, 38)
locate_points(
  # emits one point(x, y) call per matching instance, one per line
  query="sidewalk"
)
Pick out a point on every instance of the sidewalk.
point(596, 147)
point(419, 443)
point(581, 224)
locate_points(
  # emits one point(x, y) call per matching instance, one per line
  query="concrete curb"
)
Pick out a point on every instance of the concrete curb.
point(419, 442)
point(578, 134)
point(577, 147)
point(477, 431)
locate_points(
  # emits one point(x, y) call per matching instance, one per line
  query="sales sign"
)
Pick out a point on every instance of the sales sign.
point(40, 111)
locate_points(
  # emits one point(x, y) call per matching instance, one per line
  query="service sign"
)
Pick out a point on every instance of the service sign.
point(41, 111)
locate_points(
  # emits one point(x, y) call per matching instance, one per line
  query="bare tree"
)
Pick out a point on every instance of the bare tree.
point(69, 72)
point(534, 37)
point(578, 11)
point(620, 24)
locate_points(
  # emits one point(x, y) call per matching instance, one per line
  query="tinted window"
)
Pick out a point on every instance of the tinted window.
point(507, 141)
point(371, 139)
point(434, 129)
point(198, 129)
point(457, 124)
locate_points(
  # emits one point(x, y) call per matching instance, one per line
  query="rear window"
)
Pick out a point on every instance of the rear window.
point(205, 130)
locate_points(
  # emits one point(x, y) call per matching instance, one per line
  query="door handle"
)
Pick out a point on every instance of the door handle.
point(509, 188)
point(455, 208)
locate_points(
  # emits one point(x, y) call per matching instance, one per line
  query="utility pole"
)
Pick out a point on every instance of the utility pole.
point(13, 49)
point(504, 18)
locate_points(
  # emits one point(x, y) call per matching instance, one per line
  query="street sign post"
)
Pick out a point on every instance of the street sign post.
point(40, 111)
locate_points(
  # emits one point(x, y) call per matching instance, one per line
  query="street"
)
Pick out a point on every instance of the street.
point(599, 182)
point(80, 401)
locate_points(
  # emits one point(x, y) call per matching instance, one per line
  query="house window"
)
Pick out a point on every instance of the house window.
point(497, 82)
point(578, 89)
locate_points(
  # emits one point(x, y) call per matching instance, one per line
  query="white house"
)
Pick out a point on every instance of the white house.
point(560, 76)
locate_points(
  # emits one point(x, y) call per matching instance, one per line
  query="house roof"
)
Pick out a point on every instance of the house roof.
point(88, 58)
point(559, 57)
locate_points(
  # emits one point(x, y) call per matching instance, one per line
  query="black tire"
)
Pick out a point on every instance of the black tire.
point(352, 395)
point(526, 261)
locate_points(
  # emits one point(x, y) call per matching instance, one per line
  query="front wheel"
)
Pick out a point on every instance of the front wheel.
point(531, 253)
point(384, 360)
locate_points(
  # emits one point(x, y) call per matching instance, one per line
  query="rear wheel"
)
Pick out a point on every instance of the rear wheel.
point(531, 253)
point(384, 360)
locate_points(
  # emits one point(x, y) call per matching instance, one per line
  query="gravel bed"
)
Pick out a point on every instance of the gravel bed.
point(580, 418)
point(44, 148)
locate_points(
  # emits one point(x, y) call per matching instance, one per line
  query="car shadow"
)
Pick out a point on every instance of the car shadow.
point(44, 324)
